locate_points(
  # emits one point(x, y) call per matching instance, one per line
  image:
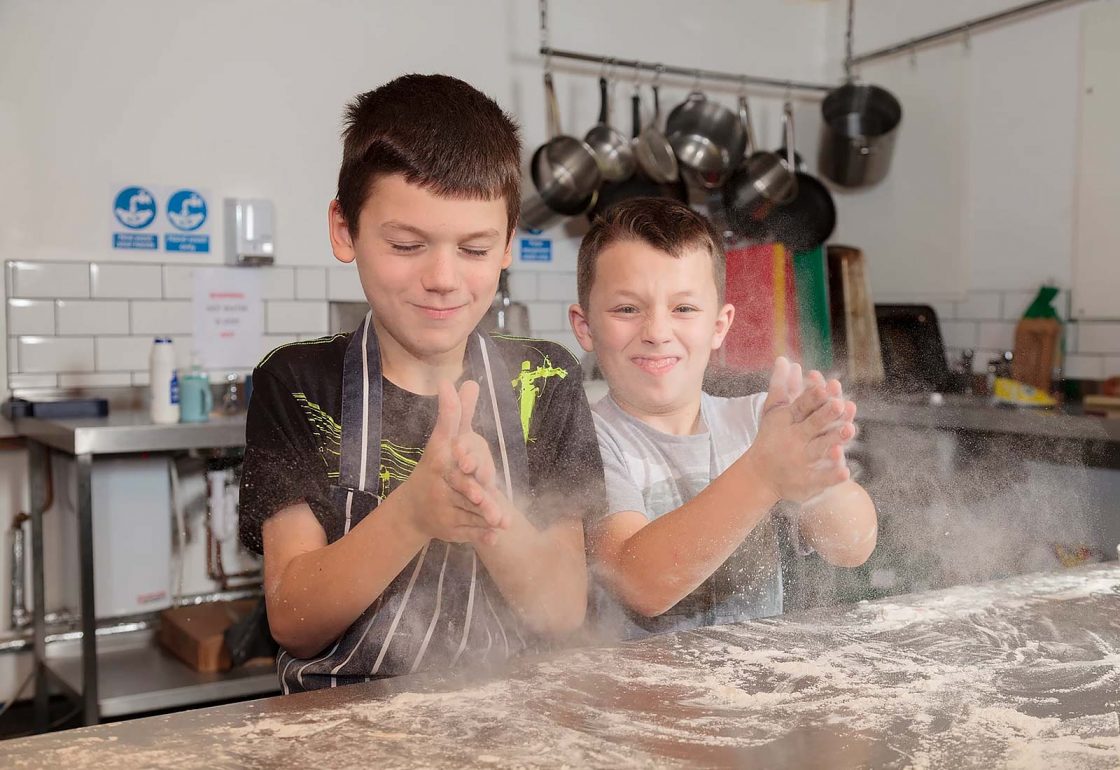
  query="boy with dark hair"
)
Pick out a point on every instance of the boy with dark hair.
point(400, 530)
point(687, 538)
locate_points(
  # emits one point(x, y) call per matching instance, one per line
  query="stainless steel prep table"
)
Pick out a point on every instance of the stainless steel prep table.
point(122, 432)
point(1023, 672)
point(1094, 441)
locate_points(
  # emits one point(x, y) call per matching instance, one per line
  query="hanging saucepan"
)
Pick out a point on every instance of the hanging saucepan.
point(564, 170)
point(611, 148)
point(638, 185)
point(808, 220)
point(652, 149)
point(707, 138)
point(857, 134)
point(763, 181)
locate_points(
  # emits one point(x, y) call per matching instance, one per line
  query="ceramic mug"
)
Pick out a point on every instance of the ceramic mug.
point(195, 398)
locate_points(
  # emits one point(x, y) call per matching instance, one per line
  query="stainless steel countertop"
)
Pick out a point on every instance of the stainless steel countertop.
point(133, 431)
point(977, 414)
point(1023, 672)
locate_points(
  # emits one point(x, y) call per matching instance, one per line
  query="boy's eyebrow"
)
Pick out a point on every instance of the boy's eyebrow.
point(394, 225)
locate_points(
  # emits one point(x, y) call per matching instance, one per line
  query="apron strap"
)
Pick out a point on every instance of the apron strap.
point(362, 400)
point(496, 401)
point(359, 458)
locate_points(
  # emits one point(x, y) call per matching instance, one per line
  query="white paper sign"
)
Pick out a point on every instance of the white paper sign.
point(228, 317)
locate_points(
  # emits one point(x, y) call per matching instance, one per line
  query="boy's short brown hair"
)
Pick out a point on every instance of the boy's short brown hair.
point(439, 133)
point(663, 223)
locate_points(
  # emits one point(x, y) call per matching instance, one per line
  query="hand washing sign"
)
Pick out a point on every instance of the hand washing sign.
point(134, 208)
point(143, 216)
point(187, 213)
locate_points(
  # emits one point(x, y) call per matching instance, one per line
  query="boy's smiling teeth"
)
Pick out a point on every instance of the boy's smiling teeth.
point(656, 364)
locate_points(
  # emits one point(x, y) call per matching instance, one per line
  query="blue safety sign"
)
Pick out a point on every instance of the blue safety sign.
point(536, 250)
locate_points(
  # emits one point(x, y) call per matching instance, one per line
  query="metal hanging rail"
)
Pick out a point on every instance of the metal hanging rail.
point(689, 72)
point(959, 29)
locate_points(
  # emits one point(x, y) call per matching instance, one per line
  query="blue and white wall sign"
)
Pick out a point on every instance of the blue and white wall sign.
point(134, 209)
point(536, 250)
point(187, 214)
point(145, 214)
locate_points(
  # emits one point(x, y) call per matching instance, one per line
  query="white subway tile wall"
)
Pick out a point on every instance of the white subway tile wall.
point(311, 283)
point(295, 317)
point(162, 317)
point(278, 283)
point(48, 280)
point(53, 355)
point(178, 281)
point(87, 316)
point(95, 380)
point(343, 284)
point(80, 318)
point(110, 281)
point(22, 381)
point(30, 316)
point(124, 354)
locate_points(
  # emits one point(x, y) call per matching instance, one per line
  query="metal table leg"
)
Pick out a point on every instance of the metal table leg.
point(90, 710)
point(38, 456)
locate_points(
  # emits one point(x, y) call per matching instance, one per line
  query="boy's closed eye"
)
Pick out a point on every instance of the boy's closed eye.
point(405, 248)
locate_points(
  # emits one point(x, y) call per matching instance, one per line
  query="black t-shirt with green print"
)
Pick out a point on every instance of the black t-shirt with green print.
point(443, 609)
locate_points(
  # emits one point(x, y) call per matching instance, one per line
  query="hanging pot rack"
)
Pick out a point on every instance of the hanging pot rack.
point(695, 73)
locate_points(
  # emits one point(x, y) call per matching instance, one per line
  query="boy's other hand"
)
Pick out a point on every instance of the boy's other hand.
point(474, 475)
point(437, 508)
point(799, 449)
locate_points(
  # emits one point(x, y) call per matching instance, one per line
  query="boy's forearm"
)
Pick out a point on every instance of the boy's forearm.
point(541, 573)
point(841, 524)
point(668, 558)
point(322, 592)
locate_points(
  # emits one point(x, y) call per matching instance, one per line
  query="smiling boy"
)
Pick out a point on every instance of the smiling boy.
point(401, 531)
point(687, 538)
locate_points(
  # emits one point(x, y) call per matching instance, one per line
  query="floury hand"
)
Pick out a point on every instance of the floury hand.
point(438, 507)
point(798, 451)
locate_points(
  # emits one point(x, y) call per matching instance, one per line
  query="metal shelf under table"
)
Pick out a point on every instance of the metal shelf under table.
point(136, 675)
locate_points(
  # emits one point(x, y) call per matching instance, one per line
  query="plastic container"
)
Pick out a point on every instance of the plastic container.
point(163, 382)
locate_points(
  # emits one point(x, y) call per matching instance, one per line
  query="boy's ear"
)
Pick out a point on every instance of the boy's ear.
point(723, 324)
point(341, 243)
point(578, 319)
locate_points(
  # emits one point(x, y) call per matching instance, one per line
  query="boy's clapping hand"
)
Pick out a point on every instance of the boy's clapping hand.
point(799, 450)
point(452, 488)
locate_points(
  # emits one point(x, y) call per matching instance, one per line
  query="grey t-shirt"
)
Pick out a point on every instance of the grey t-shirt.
point(654, 473)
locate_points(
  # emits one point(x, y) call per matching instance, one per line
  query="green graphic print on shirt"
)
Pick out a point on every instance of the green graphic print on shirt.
point(397, 462)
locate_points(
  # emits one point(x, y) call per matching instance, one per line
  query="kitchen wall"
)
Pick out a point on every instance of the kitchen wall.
point(90, 324)
point(978, 210)
point(244, 98)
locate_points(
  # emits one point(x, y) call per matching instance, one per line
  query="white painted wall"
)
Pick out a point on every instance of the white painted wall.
point(244, 98)
point(999, 210)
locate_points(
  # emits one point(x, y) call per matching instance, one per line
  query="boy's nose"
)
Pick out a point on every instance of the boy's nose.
point(656, 328)
point(439, 272)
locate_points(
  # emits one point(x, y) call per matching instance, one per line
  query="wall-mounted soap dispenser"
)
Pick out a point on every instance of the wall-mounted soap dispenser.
point(250, 224)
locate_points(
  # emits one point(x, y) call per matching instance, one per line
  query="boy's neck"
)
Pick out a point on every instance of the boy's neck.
point(409, 372)
point(676, 420)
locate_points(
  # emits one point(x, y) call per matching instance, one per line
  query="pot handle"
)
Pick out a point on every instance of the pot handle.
point(604, 113)
point(552, 105)
point(748, 128)
point(787, 129)
point(636, 115)
point(656, 104)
